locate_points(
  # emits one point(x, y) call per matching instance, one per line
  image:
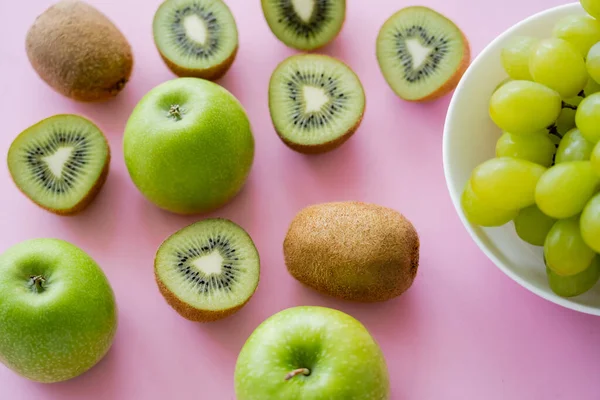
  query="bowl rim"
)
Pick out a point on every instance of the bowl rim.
point(564, 302)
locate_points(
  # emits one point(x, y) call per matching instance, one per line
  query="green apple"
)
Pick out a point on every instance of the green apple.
point(57, 310)
point(311, 353)
point(189, 146)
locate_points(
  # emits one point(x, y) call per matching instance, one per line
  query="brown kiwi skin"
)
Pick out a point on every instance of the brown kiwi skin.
point(316, 257)
point(59, 44)
point(89, 197)
point(213, 73)
point(451, 83)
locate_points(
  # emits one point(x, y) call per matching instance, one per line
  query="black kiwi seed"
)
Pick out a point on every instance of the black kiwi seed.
point(188, 57)
point(322, 26)
point(191, 47)
point(33, 154)
point(224, 280)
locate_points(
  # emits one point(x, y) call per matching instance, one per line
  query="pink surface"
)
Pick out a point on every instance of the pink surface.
point(464, 331)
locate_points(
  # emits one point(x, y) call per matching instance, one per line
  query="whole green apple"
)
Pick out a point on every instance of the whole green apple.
point(311, 353)
point(57, 310)
point(189, 146)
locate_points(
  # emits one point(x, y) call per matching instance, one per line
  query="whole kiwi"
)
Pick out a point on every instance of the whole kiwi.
point(353, 251)
point(79, 52)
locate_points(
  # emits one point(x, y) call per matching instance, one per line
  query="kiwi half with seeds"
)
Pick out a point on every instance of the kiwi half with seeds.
point(305, 24)
point(422, 54)
point(208, 270)
point(316, 102)
point(60, 163)
point(196, 38)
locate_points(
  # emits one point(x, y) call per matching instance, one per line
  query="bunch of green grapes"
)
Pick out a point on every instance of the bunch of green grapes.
point(546, 174)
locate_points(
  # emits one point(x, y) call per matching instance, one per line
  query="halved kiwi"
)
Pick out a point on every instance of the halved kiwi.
point(305, 24)
point(421, 53)
point(60, 163)
point(316, 102)
point(196, 38)
point(208, 270)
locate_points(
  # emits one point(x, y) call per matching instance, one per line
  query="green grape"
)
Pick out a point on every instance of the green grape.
point(506, 183)
point(558, 65)
point(524, 107)
point(504, 81)
point(565, 121)
point(532, 225)
point(593, 63)
point(565, 251)
point(573, 147)
point(581, 31)
point(515, 57)
point(591, 87)
point(565, 188)
point(574, 285)
point(592, 7)
point(480, 213)
point(587, 118)
point(590, 223)
point(595, 158)
point(537, 147)
point(555, 139)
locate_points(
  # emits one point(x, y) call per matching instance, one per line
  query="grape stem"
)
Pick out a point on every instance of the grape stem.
point(567, 105)
point(553, 130)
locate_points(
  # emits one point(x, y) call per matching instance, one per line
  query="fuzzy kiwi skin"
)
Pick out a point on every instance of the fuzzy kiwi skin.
point(88, 198)
point(211, 74)
point(79, 52)
point(353, 251)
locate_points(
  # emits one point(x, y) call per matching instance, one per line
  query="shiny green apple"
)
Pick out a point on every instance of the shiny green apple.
point(58, 315)
point(311, 353)
point(188, 146)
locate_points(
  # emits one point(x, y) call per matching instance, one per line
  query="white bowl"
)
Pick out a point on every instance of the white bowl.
point(470, 138)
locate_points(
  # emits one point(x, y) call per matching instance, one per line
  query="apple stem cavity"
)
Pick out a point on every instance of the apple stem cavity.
point(37, 283)
point(176, 112)
point(303, 371)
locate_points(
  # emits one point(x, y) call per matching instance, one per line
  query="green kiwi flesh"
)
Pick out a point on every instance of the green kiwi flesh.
point(305, 24)
point(207, 270)
point(421, 53)
point(196, 38)
point(60, 163)
point(316, 102)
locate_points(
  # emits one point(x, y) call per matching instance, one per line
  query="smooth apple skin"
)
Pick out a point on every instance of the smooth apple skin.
point(63, 331)
point(194, 163)
point(345, 361)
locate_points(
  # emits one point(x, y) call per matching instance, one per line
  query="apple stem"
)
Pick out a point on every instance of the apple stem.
point(175, 111)
point(37, 283)
point(303, 371)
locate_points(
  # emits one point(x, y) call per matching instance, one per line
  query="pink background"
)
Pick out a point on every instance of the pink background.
point(464, 331)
